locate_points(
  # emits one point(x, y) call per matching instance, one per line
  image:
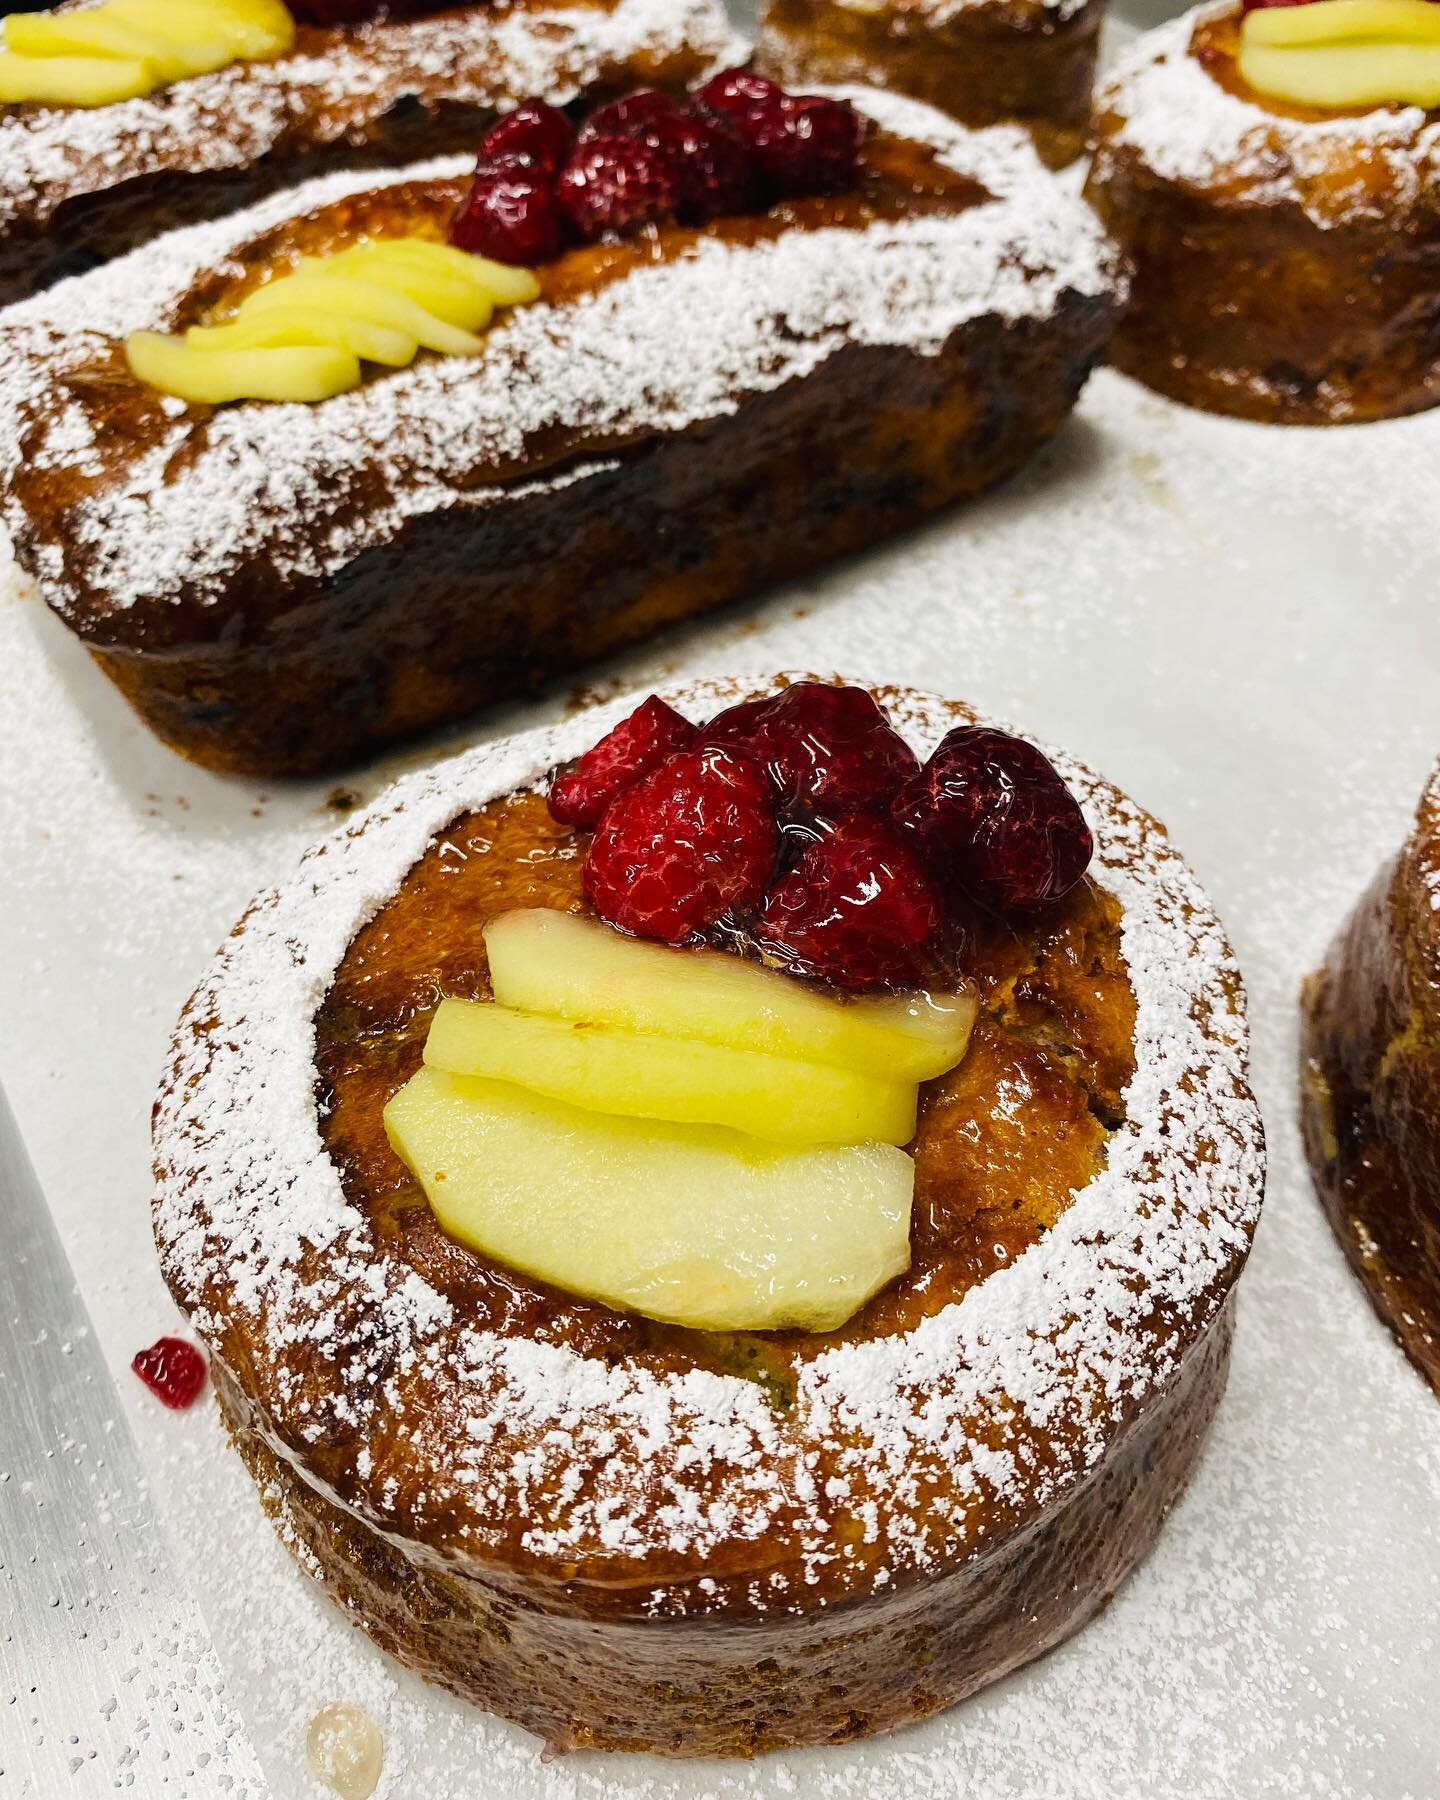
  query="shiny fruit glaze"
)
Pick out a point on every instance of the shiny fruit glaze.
point(801, 827)
point(693, 840)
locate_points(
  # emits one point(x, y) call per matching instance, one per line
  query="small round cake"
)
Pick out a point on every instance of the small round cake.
point(705, 1516)
point(986, 62)
point(1370, 1089)
point(1284, 251)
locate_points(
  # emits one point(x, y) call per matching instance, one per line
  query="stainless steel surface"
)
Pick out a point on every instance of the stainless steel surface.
point(108, 1680)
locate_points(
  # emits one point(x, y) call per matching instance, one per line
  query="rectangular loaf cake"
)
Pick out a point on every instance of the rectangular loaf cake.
point(79, 184)
point(678, 421)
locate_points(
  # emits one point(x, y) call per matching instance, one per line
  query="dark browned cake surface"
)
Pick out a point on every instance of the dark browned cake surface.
point(354, 97)
point(630, 1535)
point(1296, 285)
point(1370, 1090)
point(999, 62)
point(261, 646)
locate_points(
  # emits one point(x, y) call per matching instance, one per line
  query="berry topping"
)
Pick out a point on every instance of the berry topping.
point(173, 1370)
point(629, 115)
point(512, 215)
point(856, 910)
point(735, 93)
point(713, 172)
point(653, 732)
point(692, 840)
point(612, 184)
point(804, 146)
point(828, 750)
point(537, 135)
point(990, 811)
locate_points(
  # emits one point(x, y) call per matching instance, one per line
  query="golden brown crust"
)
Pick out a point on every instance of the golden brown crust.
point(889, 1503)
point(998, 62)
point(691, 1690)
point(1283, 258)
point(1370, 1090)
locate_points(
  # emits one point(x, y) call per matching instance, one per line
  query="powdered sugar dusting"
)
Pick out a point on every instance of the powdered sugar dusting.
point(935, 14)
point(1167, 108)
point(479, 55)
point(691, 1462)
point(294, 485)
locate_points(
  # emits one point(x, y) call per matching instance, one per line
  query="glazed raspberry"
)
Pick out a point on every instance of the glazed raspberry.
point(512, 215)
point(653, 732)
point(828, 750)
point(692, 841)
point(990, 811)
point(857, 910)
point(735, 93)
point(629, 115)
point(713, 171)
point(173, 1370)
point(536, 135)
point(804, 146)
point(614, 183)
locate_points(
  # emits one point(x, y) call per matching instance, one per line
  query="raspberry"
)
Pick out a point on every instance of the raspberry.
point(828, 749)
point(173, 1370)
point(712, 169)
point(857, 910)
point(629, 115)
point(511, 215)
point(990, 811)
point(536, 135)
point(653, 732)
point(692, 841)
point(614, 183)
point(804, 146)
point(735, 93)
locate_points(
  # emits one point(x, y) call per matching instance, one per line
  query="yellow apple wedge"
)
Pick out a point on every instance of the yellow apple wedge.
point(213, 377)
point(91, 32)
point(293, 325)
point(1344, 21)
point(675, 1079)
point(1344, 75)
point(507, 285)
point(72, 80)
point(687, 1223)
point(254, 30)
point(466, 303)
point(566, 967)
point(365, 300)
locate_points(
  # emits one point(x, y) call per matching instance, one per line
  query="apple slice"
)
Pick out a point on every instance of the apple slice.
point(72, 80)
point(1343, 75)
point(507, 286)
point(688, 1223)
point(293, 325)
point(1345, 21)
point(567, 967)
point(254, 30)
point(366, 300)
point(213, 377)
point(677, 1079)
point(466, 303)
point(91, 32)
